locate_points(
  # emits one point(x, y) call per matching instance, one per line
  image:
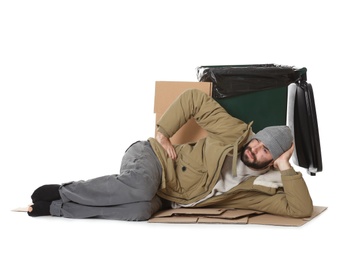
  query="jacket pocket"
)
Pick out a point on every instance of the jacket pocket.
point(192, 177)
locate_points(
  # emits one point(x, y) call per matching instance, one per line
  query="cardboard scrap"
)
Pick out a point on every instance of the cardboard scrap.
point(21, 209)
point(208, 220)
point(229, 216)
point(181, 215)
point(223, 216)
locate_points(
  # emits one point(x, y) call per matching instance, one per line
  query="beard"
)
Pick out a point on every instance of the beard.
point(255, 164)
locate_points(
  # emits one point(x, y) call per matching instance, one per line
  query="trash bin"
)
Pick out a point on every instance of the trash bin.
point(270, 94)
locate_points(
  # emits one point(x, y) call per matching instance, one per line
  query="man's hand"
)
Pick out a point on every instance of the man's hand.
point(282, 162)
point(167, 145)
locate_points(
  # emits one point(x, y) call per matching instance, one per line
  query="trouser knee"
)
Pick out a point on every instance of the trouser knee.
point(145, 209)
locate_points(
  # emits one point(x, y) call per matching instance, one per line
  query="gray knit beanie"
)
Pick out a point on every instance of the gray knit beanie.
point(278, 139)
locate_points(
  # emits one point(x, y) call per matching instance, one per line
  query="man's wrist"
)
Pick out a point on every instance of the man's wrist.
point(284, 165)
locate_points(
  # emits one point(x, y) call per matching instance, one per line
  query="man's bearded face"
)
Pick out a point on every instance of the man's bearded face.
point(255, 155)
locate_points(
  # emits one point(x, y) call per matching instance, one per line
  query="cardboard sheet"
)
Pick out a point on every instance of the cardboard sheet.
point(229, 216)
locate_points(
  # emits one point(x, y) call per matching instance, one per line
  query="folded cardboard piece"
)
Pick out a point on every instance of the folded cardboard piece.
point(228, 216)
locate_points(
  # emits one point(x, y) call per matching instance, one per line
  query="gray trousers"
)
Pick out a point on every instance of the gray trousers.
point(131, 195)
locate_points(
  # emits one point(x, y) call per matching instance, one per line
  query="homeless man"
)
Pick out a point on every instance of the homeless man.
point(232, 167)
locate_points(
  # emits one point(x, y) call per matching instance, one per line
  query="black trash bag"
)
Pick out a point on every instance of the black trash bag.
point(232, 80)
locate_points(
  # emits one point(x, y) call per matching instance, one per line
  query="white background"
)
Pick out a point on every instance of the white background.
point(77, 87)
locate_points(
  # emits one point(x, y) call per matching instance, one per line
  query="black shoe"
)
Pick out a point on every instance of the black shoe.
point(40, 208)
point(48, 193)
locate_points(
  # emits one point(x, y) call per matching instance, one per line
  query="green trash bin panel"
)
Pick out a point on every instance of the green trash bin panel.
point(264, 108)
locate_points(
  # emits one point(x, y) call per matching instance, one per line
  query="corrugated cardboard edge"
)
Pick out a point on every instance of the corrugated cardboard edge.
point(229, 216)
point(208, 220)
point(189, 212)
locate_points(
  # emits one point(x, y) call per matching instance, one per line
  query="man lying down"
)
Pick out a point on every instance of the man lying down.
point(231, 167)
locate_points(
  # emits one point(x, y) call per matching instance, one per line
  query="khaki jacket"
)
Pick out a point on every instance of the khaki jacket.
point(196, 170)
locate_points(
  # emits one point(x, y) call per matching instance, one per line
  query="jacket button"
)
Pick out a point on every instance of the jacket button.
point(183, 168)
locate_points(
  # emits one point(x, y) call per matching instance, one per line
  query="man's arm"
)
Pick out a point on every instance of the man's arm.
point(206, 112)
point(282, 163)
point(296, 200)
point(167, 145)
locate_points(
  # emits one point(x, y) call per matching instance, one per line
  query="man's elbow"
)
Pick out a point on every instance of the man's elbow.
point(303, 211)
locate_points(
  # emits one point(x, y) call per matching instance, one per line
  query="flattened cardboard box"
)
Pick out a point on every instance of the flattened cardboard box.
point(229, 216)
